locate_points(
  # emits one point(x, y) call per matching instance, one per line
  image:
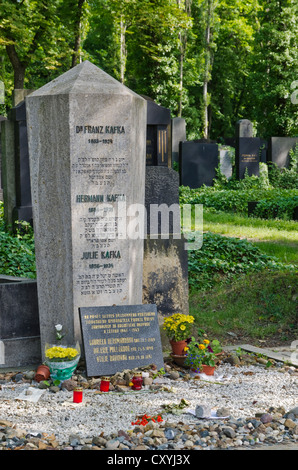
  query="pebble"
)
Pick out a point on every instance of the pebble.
point(274, 424)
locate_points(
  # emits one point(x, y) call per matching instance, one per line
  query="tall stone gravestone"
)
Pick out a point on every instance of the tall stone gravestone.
point(247, 154)
point(198, 163)
point(87, 136)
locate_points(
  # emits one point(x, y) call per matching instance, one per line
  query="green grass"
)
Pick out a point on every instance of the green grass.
point(250, 227)
point(254, 306)
point(285, 252)
point(278, 238)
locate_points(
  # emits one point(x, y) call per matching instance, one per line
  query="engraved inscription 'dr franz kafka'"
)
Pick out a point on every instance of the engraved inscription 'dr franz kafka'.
point(100, 129)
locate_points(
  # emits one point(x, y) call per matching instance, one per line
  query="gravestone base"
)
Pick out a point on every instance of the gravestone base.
point(21, 352)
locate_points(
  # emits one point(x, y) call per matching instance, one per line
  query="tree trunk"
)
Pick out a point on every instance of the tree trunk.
point(77, 33)
point(183, 43)
point(122, 50)
point(19, 67)
point(207, 70)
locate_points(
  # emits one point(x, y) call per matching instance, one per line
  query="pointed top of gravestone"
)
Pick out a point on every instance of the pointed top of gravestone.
point(83, 78)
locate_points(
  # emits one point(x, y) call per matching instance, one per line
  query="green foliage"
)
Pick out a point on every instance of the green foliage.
point(17, 256)
point(285, 177)
point(236, 200)
point(273, 68)
point(158, 48)
point(221, 258)
point(279, 207)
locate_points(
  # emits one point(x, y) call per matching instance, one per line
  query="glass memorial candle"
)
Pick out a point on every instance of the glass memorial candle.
point(137, 381)
point(105, 384)
point(78, 395)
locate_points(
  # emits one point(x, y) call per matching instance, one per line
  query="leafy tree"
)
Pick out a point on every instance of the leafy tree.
point(275, 68)
point(41, 39)
point(27, 32)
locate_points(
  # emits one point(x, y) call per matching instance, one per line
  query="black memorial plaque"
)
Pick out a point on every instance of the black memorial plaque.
point(248, 156)
point(122, 337)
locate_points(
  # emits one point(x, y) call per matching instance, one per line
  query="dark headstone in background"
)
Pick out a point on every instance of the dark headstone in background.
point(116, 338)
point(15, 166)
point(23, 209)
point(279, 149)
point(158, 147)
point(19, 321)
point(198, 163)
point(247, 156)
point(161, 187)
point(178, 135)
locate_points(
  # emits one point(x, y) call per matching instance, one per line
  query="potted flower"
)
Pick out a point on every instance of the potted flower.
point(201, 356)
point(177, 328)
point(61, 359)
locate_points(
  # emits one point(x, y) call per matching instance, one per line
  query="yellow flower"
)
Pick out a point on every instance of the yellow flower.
point(206, 341)
point(202, 346)
point(59, 352)
point(182, 327)
point(186, 348)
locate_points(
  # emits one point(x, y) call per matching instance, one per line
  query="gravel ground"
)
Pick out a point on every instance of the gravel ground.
point(243, 390)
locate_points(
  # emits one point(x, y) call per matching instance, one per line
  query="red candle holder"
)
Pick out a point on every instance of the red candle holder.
point(105, 384)
point(137, 381)
point(78, 395)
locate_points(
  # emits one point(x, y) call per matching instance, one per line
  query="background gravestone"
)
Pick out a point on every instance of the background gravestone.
point(19, 322)
point(279, 149)
point(198, 163)
point(165, 272)
point(15, 162)
point(178, 135)
point(247, 152)
point(87, 152)
point(225, 162)
point(23, 207)
point(158, 142)
point(244, 128)
point(247, 157)
point(8, 169)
